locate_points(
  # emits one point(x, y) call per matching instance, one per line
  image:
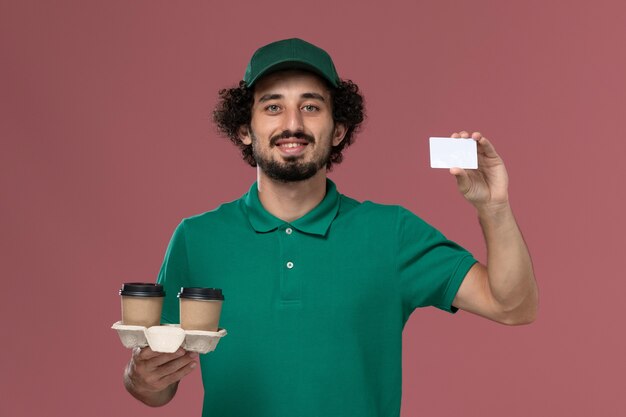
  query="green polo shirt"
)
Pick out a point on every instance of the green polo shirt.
point(314, 308)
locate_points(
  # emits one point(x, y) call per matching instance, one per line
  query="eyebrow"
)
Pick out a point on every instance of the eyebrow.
point(313, 96)
point(268, 97)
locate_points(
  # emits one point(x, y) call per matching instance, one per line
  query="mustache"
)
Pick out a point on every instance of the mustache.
point(289, 134)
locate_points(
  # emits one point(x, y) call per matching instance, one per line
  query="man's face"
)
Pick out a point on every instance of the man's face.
point(292, 129)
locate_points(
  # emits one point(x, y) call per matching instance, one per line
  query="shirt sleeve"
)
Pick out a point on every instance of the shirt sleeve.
point(431, 267)
point(174, 274)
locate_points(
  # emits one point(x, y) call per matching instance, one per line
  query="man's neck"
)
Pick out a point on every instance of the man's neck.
point(292, 200)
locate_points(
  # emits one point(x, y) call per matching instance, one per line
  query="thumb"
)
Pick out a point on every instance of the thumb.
point(463, 181)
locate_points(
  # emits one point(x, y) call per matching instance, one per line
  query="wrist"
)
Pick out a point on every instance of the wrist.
point(495, 214)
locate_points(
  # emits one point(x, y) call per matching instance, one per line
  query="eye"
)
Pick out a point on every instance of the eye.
point(272, 108)
point(310, 108)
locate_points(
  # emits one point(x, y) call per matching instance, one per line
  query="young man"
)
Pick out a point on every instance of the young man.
point(319, 286)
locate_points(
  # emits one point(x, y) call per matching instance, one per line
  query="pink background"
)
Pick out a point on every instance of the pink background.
point(107, 144)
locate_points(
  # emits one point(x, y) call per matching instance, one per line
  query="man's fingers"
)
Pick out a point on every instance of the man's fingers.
point(170, 372)
point(465, 135)
point(462, 179)
point(145, 353)
point(158, 377)
point(486, 148)
point(154, 359)
point(176, 364)
point(179, 374)
point(458, 172)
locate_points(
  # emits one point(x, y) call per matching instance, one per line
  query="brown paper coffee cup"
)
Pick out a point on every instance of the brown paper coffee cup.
point(142, 304)
point(200, 308)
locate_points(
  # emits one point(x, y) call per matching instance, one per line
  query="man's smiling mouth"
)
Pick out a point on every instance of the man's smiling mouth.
point(292, 146)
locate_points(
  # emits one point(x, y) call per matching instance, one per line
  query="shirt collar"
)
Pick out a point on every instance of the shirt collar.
point(316, 221)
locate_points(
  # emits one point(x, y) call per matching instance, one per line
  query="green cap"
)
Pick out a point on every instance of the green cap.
point(290, 54)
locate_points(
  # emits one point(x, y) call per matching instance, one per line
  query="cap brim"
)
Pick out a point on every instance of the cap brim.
point(289, 64)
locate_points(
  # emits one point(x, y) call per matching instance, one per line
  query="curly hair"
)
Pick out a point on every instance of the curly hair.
point(234, 109)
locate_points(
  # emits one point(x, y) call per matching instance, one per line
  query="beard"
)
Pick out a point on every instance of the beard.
point(291, 169)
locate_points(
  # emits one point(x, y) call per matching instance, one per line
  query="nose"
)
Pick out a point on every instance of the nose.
point(293, 120)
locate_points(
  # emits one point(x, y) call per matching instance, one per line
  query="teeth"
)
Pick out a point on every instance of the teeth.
point(291, 145)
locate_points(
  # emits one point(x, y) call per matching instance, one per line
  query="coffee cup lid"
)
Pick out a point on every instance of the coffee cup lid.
point(142, 289)
point(197, 293)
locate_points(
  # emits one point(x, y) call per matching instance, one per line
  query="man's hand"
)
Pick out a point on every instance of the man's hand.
point(153, 377)
point(487, 186)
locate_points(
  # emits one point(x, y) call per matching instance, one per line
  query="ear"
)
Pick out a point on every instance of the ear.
point(339, 133)
point(244, 135)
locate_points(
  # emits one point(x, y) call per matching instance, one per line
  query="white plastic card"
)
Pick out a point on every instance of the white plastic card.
point(451, 153)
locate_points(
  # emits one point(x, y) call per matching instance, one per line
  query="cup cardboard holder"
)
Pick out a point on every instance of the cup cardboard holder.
point(168, 338)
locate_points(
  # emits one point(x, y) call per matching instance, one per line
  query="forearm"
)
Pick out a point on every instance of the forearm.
point(151, 398)
point(511, 278)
